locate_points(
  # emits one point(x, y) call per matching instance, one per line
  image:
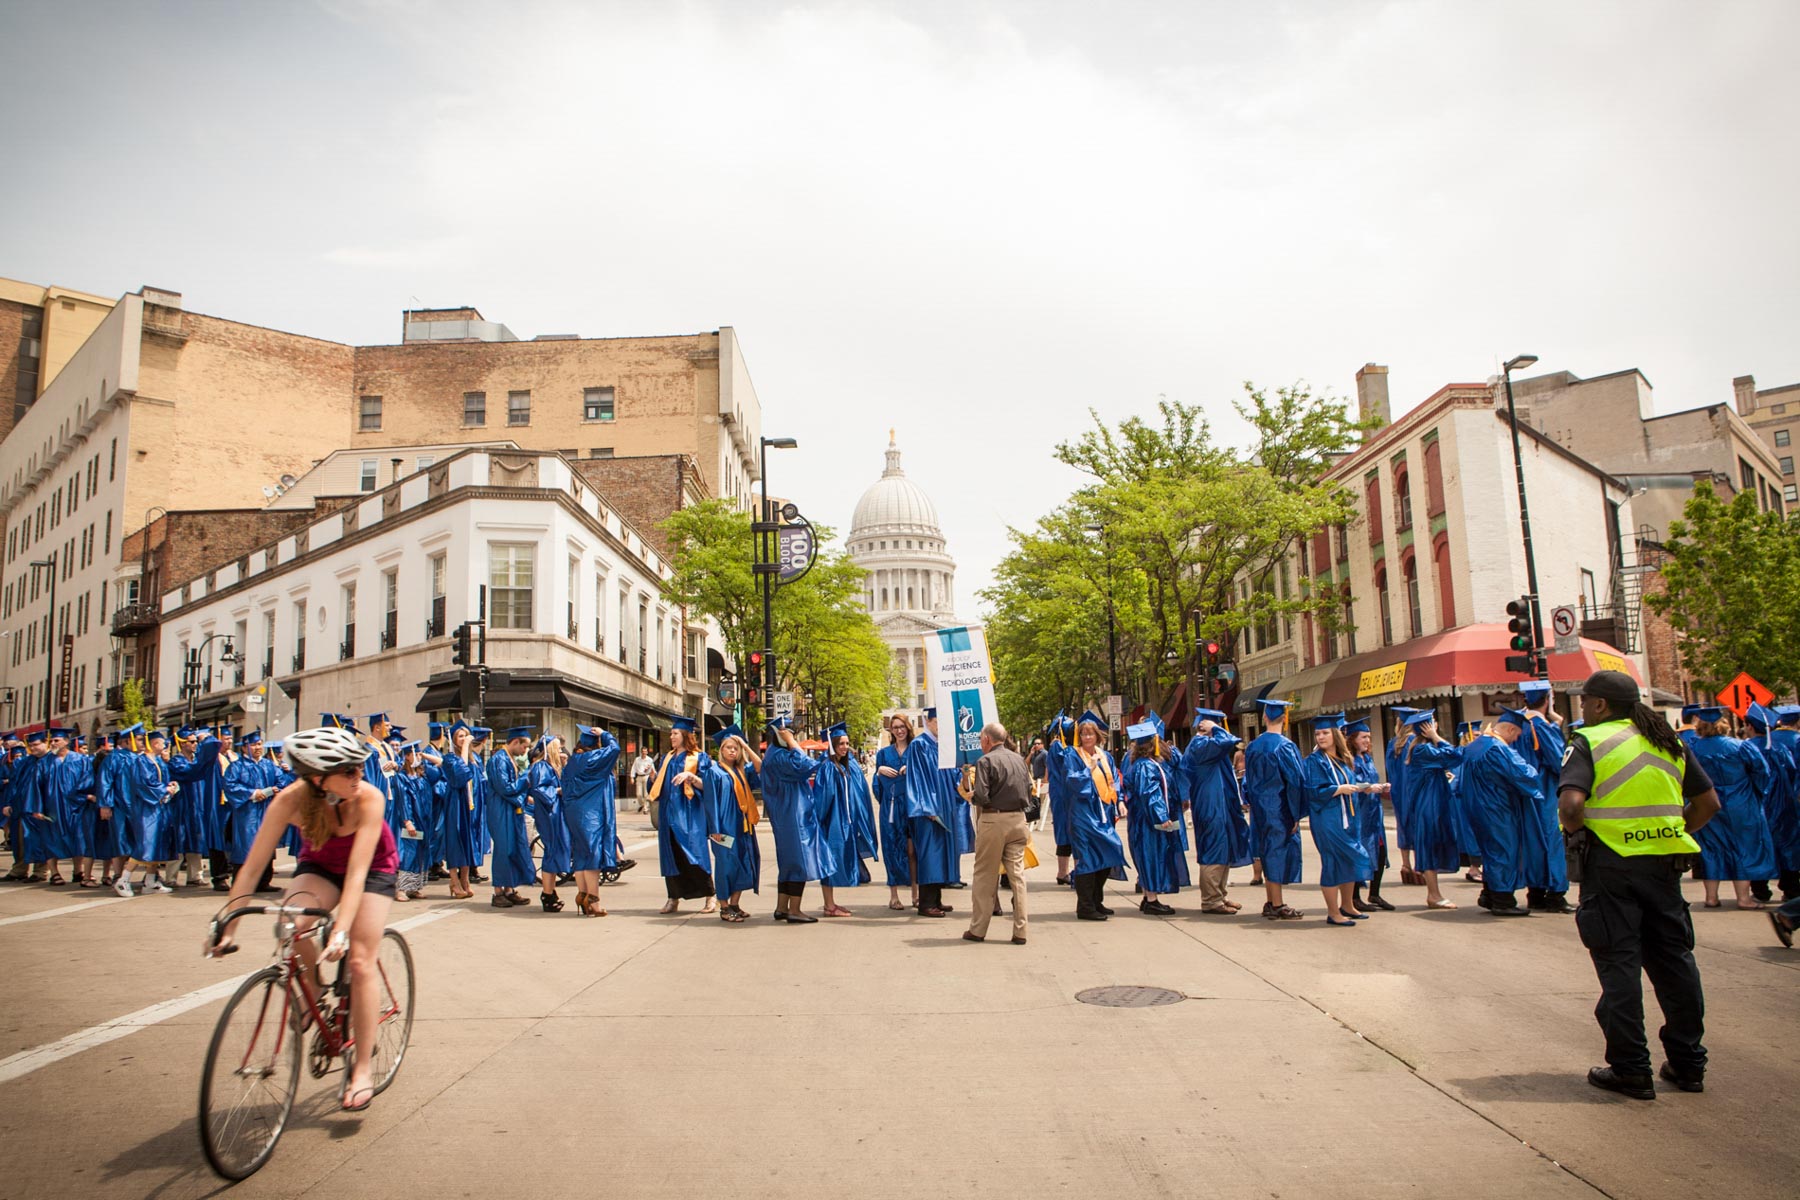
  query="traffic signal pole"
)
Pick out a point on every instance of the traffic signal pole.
point(1539, 663)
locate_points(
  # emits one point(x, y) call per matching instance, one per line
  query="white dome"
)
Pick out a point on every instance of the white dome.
point(895, 504)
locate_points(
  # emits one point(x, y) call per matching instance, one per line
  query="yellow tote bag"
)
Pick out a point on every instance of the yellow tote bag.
point(1031, 858)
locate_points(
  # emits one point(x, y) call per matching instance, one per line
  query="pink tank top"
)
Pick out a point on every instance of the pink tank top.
point(334, 855)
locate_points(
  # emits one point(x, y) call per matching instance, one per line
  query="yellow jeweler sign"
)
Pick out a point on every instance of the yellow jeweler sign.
point(1381, 680)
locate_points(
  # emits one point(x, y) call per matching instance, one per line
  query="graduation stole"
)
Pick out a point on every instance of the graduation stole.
point(746, 799)
point(690, 765)
point(1346, 804)
point(1101, 774)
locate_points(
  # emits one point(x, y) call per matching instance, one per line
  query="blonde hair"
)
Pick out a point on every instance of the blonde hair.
point(316, 819)
point(1340, 748)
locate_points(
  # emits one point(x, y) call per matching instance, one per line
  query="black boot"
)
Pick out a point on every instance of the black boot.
point(1375, 900)
point(1760, 889)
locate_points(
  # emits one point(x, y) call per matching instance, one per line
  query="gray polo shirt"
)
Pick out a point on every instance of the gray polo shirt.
point(1002, 783)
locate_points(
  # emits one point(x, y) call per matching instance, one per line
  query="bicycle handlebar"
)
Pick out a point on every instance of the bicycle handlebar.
point(220, 925)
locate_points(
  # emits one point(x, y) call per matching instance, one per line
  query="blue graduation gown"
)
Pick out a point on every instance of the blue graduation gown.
point(106, 831)
point(513, 867)
point(932, 819)
point(890, 794)
point(410, 801)
point(1396, 777)
point(1735, 844)
point(545, 790)
point(435, 807)
point(1093, 832)
point(1150, 800)
point(1430, 808)
point(800, 850)
point(1332, 820)
point(60, 783)
point(1221, 838)
point(1543, 865)
point(462, 808)
point(1502, 793)
point(846, 821)
point(737, 867)
point(1277, 802)
point(1780, 804)
point(590, 806)
point(243, 779)
point(1371, 831)
point(199, 807)
point(681, 816)
point(153, 810)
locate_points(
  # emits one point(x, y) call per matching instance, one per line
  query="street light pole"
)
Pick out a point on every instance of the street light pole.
point(767, 567)
point(1112, 625)
point(1540, 664)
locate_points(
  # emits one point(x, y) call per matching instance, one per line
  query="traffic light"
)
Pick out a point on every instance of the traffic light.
point(752, 694)
point(464, 652)
point(756, 662)
point(1518, 623)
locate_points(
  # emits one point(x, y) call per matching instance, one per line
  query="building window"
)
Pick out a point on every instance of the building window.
point(510, 583)
point(299, 635)
point(1781, 438)
point(696, 650)
point(367, 480)
point(643, 638)
point(347, 648)
point(624, 605)
point(1746, 476)
point(600, 615)
point(600, 452)
point(474, 408)
point(1349, 628)
point(1590, 592)
point(574, 594)
point(425, 460)
point(1446, 584)
point(597, 404)
point(1777, 409)
point(1372, 506)
point(390, 615)
point(1409, 572)
point(369, 412)
point(518, 408)
point(1787, 466)
point(1402, 500)
point(1791, 494)
point(1387, 616)
point(1434, 478)
point(434, 621)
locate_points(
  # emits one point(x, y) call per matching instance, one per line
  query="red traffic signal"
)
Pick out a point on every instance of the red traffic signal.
point(756, 658)
point(1212, 649)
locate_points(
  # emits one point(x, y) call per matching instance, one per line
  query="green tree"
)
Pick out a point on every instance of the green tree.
point(135, 708)
point(824, 640)
point(1168, 522)
point(1730, 585)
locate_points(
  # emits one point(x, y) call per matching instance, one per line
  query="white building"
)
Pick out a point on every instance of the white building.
point(911, 579)
point(356, 610)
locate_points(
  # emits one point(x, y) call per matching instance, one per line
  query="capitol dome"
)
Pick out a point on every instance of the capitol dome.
point(895, 504)
point(895, 538)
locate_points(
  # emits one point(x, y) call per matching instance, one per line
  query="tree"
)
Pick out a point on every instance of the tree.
point(135, 708)
point(1729, 588)
point(1168, 524)
point(824, 640)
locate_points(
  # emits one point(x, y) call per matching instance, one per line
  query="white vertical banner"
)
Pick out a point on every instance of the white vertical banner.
point(960, 679)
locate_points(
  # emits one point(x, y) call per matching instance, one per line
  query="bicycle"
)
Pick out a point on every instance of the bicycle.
point(252, 1071)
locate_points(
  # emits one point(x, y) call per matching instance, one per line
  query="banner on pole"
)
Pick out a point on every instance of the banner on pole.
point(961, 682)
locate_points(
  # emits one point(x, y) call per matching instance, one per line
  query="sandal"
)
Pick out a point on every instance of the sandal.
point(57, 880)
point(360, 1090)
point(1753, 906)
point(668, 908)
point(730, 916)
point(589, 904)
point(402, 898)
point(896, 906)
point(551, 901)
point(86, 881)
point(1440, 904)
point(837, 910)
point(1713, 904)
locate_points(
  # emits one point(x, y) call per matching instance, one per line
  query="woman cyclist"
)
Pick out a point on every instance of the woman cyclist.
point(347, 860)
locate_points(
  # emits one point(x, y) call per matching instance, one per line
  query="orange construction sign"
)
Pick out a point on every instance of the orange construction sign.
point(1742, 692)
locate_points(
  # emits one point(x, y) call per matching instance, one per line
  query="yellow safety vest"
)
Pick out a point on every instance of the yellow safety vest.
point(1636, 805)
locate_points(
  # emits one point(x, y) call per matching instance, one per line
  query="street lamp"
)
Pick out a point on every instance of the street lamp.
point(1540, 667)
point(49, 632)
point(766, 557)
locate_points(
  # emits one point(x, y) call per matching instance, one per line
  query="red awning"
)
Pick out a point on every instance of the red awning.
point(1468, 658)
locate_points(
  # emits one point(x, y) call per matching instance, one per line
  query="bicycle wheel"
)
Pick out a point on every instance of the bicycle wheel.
point(252, 1072)
point(394, 1008)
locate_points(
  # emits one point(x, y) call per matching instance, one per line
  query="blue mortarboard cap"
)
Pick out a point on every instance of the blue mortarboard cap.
point(1419, 718)
point(392, 728)
point(394, 739)
point(1090, 717)
point(1062, 723)
point(1761, 717)
point(275, 747)
point(65, 733)
point(685, 724)
point(36, 736)
point(930, 714)
point(1274, 710)
point(436, 728)
point(253, 738)
point(1209, 714)
point(482, 733)
point(518, 731)
point(779, 723)
point(379, 718)
point(1787, 712)
point(590, 737)
point(728, 732)
point(185, 733)
point(1515, 716)
point(1709, 715)
point(1534, 688)
point(158, 733)
point(1464, 728)
point(1329, 721)
point(1361, 725)
point(1141, 731)
point(840, 730)
point(1688, 711)
point(1162, 731)
point(459, 723)
point(132, 730)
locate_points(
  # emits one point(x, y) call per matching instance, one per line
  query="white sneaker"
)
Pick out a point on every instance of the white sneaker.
point(122, 886)
point(157, 885)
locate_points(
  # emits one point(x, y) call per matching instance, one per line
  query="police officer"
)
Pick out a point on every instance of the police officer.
point(1631, 797)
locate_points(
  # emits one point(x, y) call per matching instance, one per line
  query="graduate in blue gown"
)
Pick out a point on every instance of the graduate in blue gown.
point(120, 800)
point(1328, 778)
point(153, 794)
point(84, 815)
point(250, 783)
point(481, 743)
point(1430, 808)
point(678, 788)
point(108, 848)
point(1277, 802)
point(1735, 845)
point(1221, 837)
point(62, 776)
point(890, 794)
point(1091, 785)
point(462, 805)
point(1467, 840)
point(432, 754)
point(1371, 828)
point(846, 815)
point(543, 792)
point(1153, 812)
point(506, 786)
point(591, 813)
point(734, 808)
point(1784, 810)
point(1395, 758)
point(15, 834)
point(1543, 859)
point(411, 802)
point(1502, 791)
point(788, 775)
point(1061, 730)
point(1777, 804)
point(932, 819)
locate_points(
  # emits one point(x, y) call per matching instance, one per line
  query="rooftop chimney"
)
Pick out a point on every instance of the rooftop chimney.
point(1743, 390)
point(1372, 395)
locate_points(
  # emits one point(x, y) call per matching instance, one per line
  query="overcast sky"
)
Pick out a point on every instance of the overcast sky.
point(972, 222)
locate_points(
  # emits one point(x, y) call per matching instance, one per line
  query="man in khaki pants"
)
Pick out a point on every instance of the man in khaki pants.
point(1000, 790)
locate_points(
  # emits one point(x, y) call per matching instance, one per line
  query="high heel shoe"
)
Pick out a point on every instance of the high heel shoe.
point(589, 904)
point(550, 901)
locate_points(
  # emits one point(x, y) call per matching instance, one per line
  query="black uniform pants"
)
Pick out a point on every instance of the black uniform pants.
point(1634, 922)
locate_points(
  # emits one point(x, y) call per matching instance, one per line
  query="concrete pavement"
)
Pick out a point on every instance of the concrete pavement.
point(1422, 1053)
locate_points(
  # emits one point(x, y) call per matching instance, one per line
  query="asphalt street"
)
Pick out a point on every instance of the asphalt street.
point(1421, 1053)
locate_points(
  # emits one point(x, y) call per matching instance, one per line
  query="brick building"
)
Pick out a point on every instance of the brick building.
point(40, 330)
point(1775, 415)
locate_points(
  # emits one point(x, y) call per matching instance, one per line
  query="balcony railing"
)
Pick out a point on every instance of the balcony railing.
point(268, 664)
point(115, 697)
point(347, 647)
point(390, 631)
point(136, 618)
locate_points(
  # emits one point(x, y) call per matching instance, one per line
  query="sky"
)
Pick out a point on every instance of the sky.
point(975, 223)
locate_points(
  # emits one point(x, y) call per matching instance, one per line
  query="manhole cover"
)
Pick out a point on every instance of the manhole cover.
point(1129, 996)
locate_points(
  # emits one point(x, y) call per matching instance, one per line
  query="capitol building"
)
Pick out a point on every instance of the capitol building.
point(910, 580)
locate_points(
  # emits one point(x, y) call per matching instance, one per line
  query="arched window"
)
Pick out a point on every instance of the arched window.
point(1381, 598)
point(1402, 500)
point(1372, 505)
point(1440, 553)
point(1409, 574)
point(1434, 478)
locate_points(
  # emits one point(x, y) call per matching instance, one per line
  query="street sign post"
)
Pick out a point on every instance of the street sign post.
point(783, 704)
point(1564, 623)
point(1115, 707)
point(1742, 692)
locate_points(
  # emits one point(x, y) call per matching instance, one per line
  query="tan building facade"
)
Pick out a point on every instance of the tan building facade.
point(41, 328)
point(1775, 415)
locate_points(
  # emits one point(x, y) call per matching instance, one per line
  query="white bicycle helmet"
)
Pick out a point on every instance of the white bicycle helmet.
point(323, 750)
